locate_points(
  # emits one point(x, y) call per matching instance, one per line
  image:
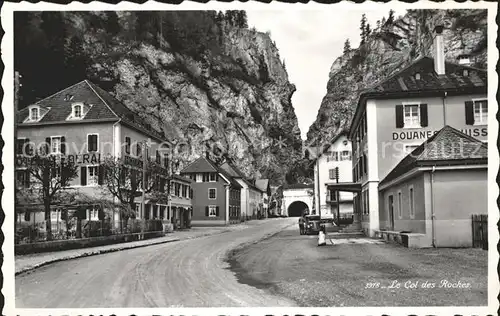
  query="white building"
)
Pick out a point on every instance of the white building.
point(337, 155)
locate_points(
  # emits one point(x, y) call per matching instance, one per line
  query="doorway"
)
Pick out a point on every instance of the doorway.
point(391, 211)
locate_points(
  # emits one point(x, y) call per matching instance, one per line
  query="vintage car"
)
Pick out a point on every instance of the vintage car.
point(312, 224)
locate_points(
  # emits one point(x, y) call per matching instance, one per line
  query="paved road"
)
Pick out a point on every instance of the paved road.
point(347, 273)
point(189, 273)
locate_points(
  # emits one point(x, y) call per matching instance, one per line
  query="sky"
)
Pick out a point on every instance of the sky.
point(309, 41)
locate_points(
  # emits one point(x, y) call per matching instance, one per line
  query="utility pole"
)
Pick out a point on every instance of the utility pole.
point(317, 181)
point(338, 194)
point(145, 144)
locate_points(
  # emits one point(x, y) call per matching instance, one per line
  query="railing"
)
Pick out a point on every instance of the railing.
point(62, 230)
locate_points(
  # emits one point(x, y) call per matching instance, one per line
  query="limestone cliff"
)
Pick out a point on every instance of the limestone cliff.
point(205, 79)
point(390, 48)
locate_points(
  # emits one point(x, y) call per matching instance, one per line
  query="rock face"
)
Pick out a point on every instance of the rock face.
point(389, 49)
point(232, 97)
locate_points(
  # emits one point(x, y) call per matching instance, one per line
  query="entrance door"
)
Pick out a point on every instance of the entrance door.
point(391, 211)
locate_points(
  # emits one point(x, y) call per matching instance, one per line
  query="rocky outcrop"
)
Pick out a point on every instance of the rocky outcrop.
point(389, 49)
point(203, 78)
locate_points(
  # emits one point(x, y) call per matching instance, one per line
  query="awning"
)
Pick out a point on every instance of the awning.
point(344, 186)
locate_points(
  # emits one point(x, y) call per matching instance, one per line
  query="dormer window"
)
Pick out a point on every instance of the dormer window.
point(466, 73)
point(34, 114)
point(78, 111)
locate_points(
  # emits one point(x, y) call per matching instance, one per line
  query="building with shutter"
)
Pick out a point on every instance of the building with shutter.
point(217, 195)
point(398, 114)
point(433, 192)
point(263, 186)
point(251, 195)
point(84, 124)
point(336, 154)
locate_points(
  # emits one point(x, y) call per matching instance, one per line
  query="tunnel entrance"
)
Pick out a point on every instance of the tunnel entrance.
point(297, 209)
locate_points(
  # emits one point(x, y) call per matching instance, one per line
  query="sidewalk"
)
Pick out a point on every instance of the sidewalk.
point(32, 261)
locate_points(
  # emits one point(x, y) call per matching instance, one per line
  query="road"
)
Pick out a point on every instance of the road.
point(269, 264)
point(347, 272)
point(189, 273)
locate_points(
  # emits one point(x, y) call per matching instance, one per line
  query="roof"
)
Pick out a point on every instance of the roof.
point(262, 184)
point(180, 178)
point(448, 146)
point(204, 164)
point(234, 172)
point(105, 107)
point(455, 81)
point(297, 186)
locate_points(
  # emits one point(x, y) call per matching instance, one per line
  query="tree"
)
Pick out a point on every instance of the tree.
point(241, 19)
point(368, 30)
point(51, 174)
point(378, 25)
point(363, 28)
point(124, 181)
point(347, 47)
point(390, 19)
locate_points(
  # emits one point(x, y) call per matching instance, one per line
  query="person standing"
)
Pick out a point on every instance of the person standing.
point(301, 225)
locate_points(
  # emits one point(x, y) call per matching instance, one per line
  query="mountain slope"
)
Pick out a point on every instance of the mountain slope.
point(202, 77)
point(387, 50)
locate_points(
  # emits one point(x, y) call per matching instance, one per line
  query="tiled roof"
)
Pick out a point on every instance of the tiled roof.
point(60, 108)
point(204, 164)
point(457, 80)
point(447, 146)
point(104, 107)
point(455, 77)
point(234, 172)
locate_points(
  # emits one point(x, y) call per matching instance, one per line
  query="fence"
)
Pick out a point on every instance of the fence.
point(72, 229)
point(480, 231)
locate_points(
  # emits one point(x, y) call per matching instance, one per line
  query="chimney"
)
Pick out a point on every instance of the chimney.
point(439, 67)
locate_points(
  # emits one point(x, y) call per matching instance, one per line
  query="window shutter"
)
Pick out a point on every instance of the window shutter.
point(63, 145)
point(27, 179)
point(469, 112)
point(399, 116)
point(100, 179)
point(83, 175)
point(216, 211)
point(217, 177)
point(47, 145)
point(206, 211)
point(423, 115)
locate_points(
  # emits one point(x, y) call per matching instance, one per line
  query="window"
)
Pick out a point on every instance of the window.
point(55, 215)
point(333, 156)
point(93, 175)
point(92, 142)
point(34, 114)
point(332, 174)
point(412, 203)
point(480, 112)
point(400, 205)
point(22, 178)
point(138, 149)
point(212, 194)
point(137, 210)
point(127, 145)
point(212, 211)
point(184, 190)
point(213, 177)
point(199, 177)
point(411, 115)
point(77, 111)
point(55, 144)
point(94, 214)
point(21, 147)
point(346, 155)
